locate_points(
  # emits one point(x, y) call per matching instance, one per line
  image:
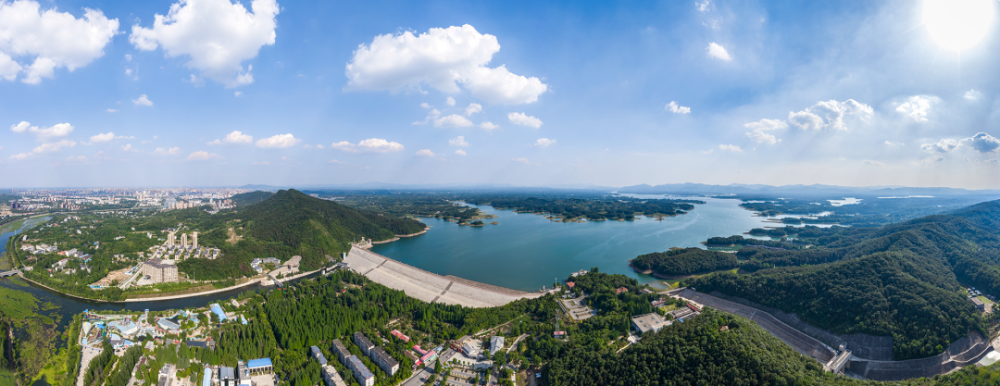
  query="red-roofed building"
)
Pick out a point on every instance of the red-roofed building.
point(400, 336)
point(620, 290)
point(570, 284)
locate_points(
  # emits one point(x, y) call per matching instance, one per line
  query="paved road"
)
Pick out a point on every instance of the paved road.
point(418, 377)
point(512, 345)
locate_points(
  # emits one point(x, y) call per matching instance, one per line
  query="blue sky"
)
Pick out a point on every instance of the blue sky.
point(98, 93)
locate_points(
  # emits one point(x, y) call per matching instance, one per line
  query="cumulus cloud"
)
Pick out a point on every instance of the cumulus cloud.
point(973, 95)
point(544, 142)
point(202, 156)
point(54, 146)
point(453, 120)
point(105, 137)
point(766, 124)
point(425, 153)
point(488, 126)
point(942, 146)
point(218, 35)
point(127, 147)
point(872, 163)
point(673, 107)
point(460, 152)
point(167, 151)
point(45, 133)
point(473, 108)
point(78, 158)
point(49, 40)
point(450, 101)
point(719, 52)
point(915, 107)
point(280, 141)
point(524, 120)
point(310, 147)
point(235, 137)
point(932, 160)
point(760, 136)
point(833, 112)
point(702, 6)
point(983, 143)
point(521, 160)
point(730, 148)
point(142, 101)
point(101, 155)
point(442, 58)
point(373, 145)
point(112, 110)
point(458, 141)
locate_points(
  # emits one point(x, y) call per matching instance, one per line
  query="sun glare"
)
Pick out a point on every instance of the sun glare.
point(958, 24)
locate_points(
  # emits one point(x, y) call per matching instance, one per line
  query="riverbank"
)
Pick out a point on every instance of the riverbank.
point(193, 294)
point(21, 275)
point(401, 236)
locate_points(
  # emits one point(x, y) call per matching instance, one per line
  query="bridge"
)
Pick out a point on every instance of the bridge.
point(10, 273)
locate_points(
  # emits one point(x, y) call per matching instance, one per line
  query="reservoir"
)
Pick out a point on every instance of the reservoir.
point(528, 251)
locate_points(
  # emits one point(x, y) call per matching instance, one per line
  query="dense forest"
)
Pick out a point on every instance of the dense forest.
point(900, 280)
point(591, 208)
point(687, 261)
point(871, 211)
point(421, 204)
point(244, 199)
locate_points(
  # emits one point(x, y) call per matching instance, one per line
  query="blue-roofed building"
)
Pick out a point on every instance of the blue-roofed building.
point(207, 379)
point(219, 312)
point(243, 320)
point(261, 365)
point(317, 355)
point(168, 325)
point(364, 376)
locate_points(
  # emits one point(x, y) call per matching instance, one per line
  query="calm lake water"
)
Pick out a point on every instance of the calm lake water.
point(528, 251)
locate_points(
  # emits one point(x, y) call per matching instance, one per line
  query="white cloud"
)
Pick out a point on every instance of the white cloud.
point(942, 146)
point(872, 163)
point(237, 93)
point(425, 153)
point(217, 35)
point(20, 156)
point(167, 151)
point(673, 107)
point(544, 142)
point(453, 120)
point(934, 159)
point(43, 134)
point(434, 113)
point(488, 126)
point(520, 160)
point(890, 143)
point(983, 143)
point(142, 101)
point(310, 147)
point(973, 95)
point(766, 124)
point(458, 141)
point(702, 6)
point(460, 152)
point(101, 155)
point(280, 141)
point(202, 156)
point(54, 146)
point(719, 52)
point(730, 148)
point(915, 107)
point(105, 137)
point(473, 108)
point(760, 136)
point(79, 158)
point(49, 39)
point(112, 111)
point(127, 147)
point(375, 145)
point(235, 137)
point(524, 120)
point(425, 105)
point(834, 113)
point(441, 58)
point(450, 101)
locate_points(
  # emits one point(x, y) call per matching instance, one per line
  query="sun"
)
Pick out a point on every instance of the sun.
point(958, 24)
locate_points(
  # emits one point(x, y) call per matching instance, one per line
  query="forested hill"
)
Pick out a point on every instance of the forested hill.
point(902, 280)
point(315, 228)
point(244, 199)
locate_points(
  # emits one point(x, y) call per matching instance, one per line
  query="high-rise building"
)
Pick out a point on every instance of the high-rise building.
point(194, 240)
point(171, 239)
point(184, 240)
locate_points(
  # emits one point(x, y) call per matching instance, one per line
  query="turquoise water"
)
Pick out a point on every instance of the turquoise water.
point(528, 251)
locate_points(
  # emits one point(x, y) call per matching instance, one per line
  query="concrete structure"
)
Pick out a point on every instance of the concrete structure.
point(171, 239)
point(227, 376)
point(194, 240)
point(978, 303)
point(331, 377)
point(363, 343)
point(427, 286)
point(317, 355)
point(361, 373)
point(159, 272)
point(261, 365)
point(496, 344)
point(384, 361)
point(341, 351)
point(649, 322)
point(184, 240)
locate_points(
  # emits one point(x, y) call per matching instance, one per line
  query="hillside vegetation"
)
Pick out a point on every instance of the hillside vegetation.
point(899, 280)
point(685, 261)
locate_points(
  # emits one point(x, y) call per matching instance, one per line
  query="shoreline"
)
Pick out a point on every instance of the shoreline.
point(400, 236)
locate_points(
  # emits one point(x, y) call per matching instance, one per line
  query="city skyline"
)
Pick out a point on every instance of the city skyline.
point(216, 93)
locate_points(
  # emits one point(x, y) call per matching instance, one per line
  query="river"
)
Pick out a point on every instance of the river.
point(527, 251)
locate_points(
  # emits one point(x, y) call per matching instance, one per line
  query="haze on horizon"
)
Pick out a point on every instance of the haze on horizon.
point(217, 92)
